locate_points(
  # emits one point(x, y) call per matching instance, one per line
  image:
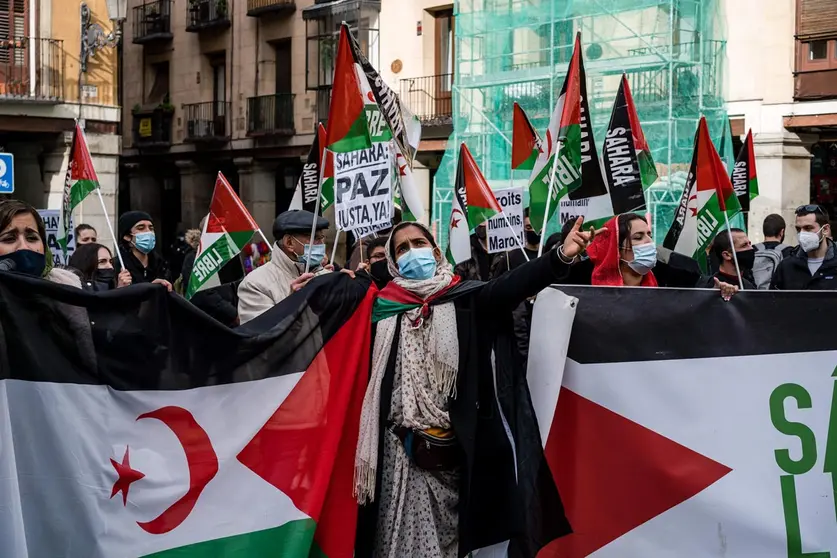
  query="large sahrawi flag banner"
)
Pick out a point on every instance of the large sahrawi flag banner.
point(687, 426)
point(132, 425)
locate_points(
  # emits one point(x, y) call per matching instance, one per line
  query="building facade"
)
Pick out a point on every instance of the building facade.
point(782, 84)
point(44, 89)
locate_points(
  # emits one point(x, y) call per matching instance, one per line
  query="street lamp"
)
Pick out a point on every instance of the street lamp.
point(93, 37)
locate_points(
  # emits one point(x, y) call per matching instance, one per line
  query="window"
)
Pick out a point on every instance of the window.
point(219, 79)
point(444, 42)
point(159, 83)
point(817, 50)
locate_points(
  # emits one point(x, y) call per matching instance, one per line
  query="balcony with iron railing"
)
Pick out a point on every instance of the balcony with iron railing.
point(256, 8)
point(207, 122)
point(31, 70)
point(207, 14)
point(152, 127)
point(271, 115)
point(429, 97)
point(152, 22)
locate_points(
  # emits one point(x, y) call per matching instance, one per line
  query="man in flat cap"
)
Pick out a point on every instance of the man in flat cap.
point(136, 242)
point(273, 282)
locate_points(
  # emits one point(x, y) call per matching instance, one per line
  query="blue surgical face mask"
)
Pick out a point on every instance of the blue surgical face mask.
point(417, 264)
point(311, 253)
point(27, 262)
point(645, 258)
point(145, 241)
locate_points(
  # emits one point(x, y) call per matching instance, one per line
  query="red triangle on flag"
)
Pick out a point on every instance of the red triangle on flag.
point(614, 474)
point(307, 447)
point(571, 114)
point(711, 174)
point(640, 144)
point(81, 165)
point(478, 192)
point(226, 212)
point(524, 137)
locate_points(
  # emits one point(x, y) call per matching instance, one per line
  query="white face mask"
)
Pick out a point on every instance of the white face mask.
point(810, 241)
point(645, 258)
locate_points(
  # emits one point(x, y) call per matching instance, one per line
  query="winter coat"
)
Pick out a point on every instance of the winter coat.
point(157, 267)
point(793, 274)
point(708, 281)
point(267, 286)
point(470, 270)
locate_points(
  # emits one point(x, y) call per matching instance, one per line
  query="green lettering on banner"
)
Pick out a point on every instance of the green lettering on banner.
point(806, 437)
point(830, 464)
point(792, 516)
point(208, 263)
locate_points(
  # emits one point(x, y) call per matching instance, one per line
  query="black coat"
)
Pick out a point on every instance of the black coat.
point(793, 274)
point(493, 506)
point(157, 267)
point(708, 281)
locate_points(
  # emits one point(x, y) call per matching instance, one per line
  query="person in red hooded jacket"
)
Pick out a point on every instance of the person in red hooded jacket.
point(624, 254)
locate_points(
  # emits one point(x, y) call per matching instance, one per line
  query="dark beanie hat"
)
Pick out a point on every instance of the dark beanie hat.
point(128, 219)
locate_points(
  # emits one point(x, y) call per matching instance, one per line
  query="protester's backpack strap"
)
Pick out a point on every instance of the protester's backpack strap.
point(765, 263)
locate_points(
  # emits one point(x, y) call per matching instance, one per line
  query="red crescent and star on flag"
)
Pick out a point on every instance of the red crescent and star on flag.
point(200, 458)
point(454, 222)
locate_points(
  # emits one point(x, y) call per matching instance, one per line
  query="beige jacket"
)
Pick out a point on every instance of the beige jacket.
point(266, 286)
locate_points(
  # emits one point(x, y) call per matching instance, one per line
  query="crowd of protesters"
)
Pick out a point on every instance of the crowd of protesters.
point(432, 346)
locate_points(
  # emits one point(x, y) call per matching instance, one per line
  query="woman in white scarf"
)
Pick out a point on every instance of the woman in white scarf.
point(412, 392)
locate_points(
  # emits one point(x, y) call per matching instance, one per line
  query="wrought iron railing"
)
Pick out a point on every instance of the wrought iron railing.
point(270, 115)
point(31, 69)
point(203, 14)
point(207, 121)
point(429, 97)
point(256, 7)
point(152, 20)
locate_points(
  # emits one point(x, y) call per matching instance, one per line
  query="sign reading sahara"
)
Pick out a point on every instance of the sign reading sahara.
point(501, 238)
point(363, 189)
point(51, 219)
point(684, 442)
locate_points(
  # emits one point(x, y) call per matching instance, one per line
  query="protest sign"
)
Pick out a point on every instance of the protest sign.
point(501, 238)
point(51, 219)
point(363, 189)
point(596, 210)
point(671, 440)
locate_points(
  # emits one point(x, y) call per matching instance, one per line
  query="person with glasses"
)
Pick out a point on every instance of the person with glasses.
point(270, 284)
point(813, 264)
point(95, 264)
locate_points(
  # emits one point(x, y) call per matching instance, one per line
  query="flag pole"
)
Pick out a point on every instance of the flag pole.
point(549, 196)
point(732, 249)
point(316, 211)
point(266, 241)
point(110, 228)
point(334, 248)
point(516, 238)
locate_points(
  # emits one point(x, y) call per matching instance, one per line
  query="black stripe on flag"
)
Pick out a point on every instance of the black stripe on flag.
point(592, 180)
point(145, 338)
point(620, 324)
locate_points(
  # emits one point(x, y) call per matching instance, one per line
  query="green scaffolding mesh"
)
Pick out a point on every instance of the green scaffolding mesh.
point(673, 52)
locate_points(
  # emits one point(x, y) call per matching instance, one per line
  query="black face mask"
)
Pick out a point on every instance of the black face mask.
point(482, 232)
point(380, 273)
point(105, 276)
point(532, 237)
point(746, 259)
point(24, 261)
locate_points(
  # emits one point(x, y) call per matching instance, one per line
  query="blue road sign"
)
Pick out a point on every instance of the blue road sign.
point(7, 173)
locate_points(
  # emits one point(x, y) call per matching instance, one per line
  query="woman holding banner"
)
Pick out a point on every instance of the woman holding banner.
point(435, 469)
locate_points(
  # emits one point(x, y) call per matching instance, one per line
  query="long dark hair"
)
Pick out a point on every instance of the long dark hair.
point(86, 259)
point(624, 225)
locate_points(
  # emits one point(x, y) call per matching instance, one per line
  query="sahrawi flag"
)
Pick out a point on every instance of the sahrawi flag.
point(473, 204)
point(673, 441)
point(591, 199)
point(154, 432)
point(526, 144)
point(305, 195)
point(563, 139)
point(347, 127)
point(628, 164)
point(228, 228)
point(81, 180)
point(708, 193)
point(745, 180)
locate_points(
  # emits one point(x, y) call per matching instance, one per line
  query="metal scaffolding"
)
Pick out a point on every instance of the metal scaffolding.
point(673, 52)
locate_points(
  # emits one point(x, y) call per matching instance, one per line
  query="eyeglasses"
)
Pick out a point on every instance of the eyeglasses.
point(810, 208)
